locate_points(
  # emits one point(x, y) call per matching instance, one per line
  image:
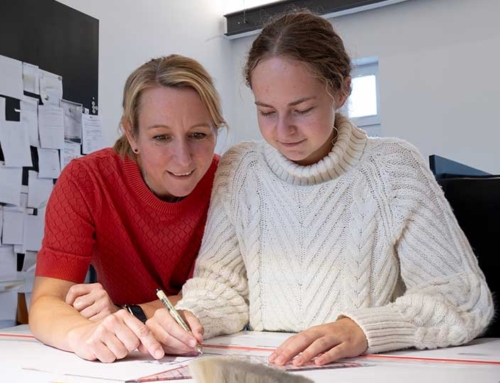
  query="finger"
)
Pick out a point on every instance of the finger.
point(336, 353)
point(75, 291)
point(195, 326)
point(319, 346)
point(291, 347)
point(143, 333)
point(99, 344)
point(162, 324)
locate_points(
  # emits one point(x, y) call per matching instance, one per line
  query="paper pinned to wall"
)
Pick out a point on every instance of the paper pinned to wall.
point(15, 142)
point(2, 109)
point(13, 227)
point(39, 190)
point(72, 121)
point(33, 232)
point(51, 126)
point(92, 133)
point(29, 262)
point(1, 223)
point(51, 88)
point(48, 163)
point(29, 116)
point(71, 151)
point(10, 184)
point(11, 77)
point(31, 78)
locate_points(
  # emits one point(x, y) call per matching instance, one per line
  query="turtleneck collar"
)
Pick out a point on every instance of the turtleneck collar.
point(346, 152)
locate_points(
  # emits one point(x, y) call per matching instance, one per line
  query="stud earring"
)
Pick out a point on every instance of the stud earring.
point(135, 150)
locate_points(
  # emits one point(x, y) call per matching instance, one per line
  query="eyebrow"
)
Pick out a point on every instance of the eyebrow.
point(293, 103)
point(199, 125)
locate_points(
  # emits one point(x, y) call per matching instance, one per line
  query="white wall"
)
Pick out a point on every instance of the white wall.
point(439, 73)
point(131, 32)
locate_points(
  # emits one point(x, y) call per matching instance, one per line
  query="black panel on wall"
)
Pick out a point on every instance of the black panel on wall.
point(58, 39)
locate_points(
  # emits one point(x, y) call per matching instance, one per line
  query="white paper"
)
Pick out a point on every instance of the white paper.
point(10, 184)
point(33, 232)
point(2, 109)
point(71, 150)
point(72, 121)
point(48, 163)
point(39, 190)
point(31, 78)
point(51, 126)
point(8, 262)
point(1, 223)
point(15, 142)
point(51, 88)
point(11, 77)
point(29, 116)
point(92, 133)
point(13, 227)
point(19, 249)
point(29, 262)
point(8, 302)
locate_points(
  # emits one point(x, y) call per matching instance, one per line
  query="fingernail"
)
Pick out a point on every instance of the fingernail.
point(158, 354)
point(298, 361)
point(192, 343)
point(280, 360)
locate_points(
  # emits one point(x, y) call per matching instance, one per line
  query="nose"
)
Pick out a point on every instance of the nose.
point(182, 153)
point(285, 126)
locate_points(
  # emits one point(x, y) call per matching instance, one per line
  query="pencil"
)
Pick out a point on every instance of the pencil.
point(171, 309)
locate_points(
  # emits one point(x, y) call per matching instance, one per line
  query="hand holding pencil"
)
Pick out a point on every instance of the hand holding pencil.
point(171, 329)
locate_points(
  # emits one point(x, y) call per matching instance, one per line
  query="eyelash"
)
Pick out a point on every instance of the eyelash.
point(193, 136)
point(301, 112)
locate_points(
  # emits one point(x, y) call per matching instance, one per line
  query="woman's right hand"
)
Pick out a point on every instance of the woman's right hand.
point(174, 338)
point(113, 338)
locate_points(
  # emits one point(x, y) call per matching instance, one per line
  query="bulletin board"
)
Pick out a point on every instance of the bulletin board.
point(58, 39)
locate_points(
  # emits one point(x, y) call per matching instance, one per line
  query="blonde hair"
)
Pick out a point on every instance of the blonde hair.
point(173, 71)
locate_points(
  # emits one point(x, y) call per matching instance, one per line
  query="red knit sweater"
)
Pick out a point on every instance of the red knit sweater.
point(102, 212)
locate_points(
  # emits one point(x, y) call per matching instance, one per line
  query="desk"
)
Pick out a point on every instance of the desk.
point(24, 359)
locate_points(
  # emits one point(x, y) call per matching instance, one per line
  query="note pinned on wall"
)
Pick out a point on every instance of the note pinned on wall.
point(11, 77)
point(14, 138)
point(51, 126)
point(39, 190)
point(72, 121)
point(92, 133)
point(71, 151)
point(13, 227)
point(31, 78)
point(10, 184)
point(48, 163)
point(29, 116)
point(51, 88)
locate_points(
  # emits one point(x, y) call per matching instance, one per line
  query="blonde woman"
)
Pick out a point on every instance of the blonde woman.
point(136, 212)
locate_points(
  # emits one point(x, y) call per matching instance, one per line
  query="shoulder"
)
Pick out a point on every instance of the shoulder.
point(99, 164)
point(239, 156)
point(394, 154)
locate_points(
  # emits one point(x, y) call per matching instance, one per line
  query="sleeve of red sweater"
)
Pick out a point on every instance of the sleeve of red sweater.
point(69, 227)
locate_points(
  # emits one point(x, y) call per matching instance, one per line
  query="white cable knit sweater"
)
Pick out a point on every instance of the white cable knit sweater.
point(364, 233)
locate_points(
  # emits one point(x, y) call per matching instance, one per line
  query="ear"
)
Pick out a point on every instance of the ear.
point(341, 97)
point(127, 129)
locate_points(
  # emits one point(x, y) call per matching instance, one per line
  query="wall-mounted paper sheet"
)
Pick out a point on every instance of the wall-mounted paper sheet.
point(31, 78)
point(72, 121)
point(14, 138)
point(71, 150)
point(51, 126)
point(92, 133)
point(33, 232)
point(48, 163)
point(13, 227)
point(39, 190)
point(10, 184)
point(51, 88)
point(29, 116)
point(11, 77)
point(2, 109)
point(1, 223)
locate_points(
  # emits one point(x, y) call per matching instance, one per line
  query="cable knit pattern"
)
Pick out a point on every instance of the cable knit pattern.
point(365, 233)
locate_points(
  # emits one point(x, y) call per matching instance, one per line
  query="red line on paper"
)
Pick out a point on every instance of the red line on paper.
point(424, 359)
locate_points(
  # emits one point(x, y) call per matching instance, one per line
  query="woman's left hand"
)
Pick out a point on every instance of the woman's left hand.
point(326, 343)
point(91, 300)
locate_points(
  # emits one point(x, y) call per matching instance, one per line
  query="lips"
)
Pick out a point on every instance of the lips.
point(291, 144)
point(181, 174)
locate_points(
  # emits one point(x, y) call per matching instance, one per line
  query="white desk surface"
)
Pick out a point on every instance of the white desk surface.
point(23, 359)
